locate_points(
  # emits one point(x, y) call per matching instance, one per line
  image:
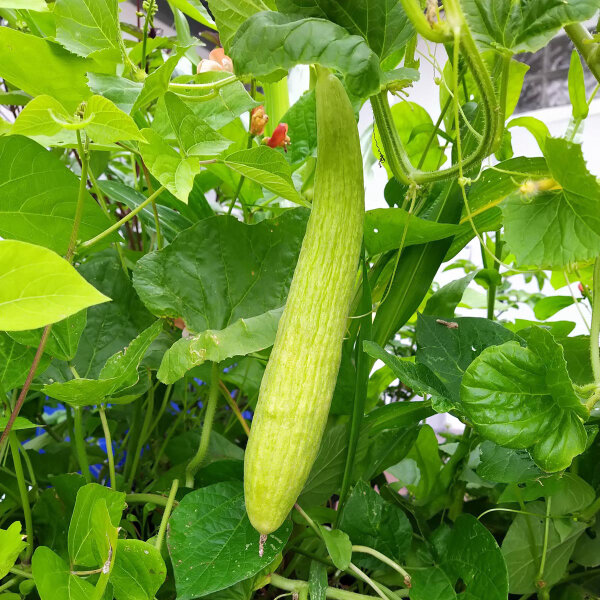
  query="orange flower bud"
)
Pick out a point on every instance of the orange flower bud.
point(258, 120)
point(279, 138)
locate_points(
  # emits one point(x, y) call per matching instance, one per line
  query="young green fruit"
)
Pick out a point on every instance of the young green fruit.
point(299, 380)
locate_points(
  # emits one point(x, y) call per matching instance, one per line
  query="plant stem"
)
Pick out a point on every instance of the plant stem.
point(124, 220)
point(595, 327)
point(21, 573)
point(491, 296)
point(10, 583)
point(295, 585)
point(109, 449)
point(18, 466)
point(145, 34)
point(154, 206)
point(34, 365)
point(590, 51)
point(80, 445)
point(166, 515)
point(540, 576)
point(277, 102)
point(215, 85)
point(383, 558)
point(421, 24)
point(83, 156)
point(147, 499)
point(209, 416)
point(143, 435)
point(234, 407)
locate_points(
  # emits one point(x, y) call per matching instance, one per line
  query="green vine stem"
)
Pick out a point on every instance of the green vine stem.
point(201, 87)
point(491, 295)
point(297, 586)
point(438, 34)
point(540, 575)
point(277, 102)
point(124, 220)
point(109, 449)
point(82, 458)
point(166, 514)
point(147, 499)
point(595, 326)
point(18, 466)
point(590, 50)
point(150, 7)
point(209, 416)
point(493, 113)
point(383, 558)
point(10, 583)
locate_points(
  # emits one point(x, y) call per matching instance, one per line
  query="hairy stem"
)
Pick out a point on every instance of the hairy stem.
point(165, 518)
point(109, 449)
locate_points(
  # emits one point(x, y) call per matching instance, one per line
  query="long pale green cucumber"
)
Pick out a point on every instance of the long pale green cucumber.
point(299, 380)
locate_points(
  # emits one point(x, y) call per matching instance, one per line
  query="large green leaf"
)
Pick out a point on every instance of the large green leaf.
point(285, 42)
point(119, 373)
point(53, 578)
point(87, 26)
point(523, 25)
point(195, 137)
point(523, 398)
point(123, 92)
point(194, 9)
point(157, 83)
point(39, 66)
point(389, 228)
point(371, 521)
point(449, 350)
point(174, 171)
point(242, 337)
point(267, 167)
point(301, 118)
point(221, 270)
point(525, 541)
point(560, 226)
point(506, 465)
point(15, 362)
point(431, 584)
point(382, 23)
point(138, 572)
point(38, 287)
point(82, 546)
point(11, 545)
point(473, 556)
point(230, 15)
point(38, 197)
point(212, 543)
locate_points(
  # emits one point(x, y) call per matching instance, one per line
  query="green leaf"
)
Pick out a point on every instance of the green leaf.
point(418, 377)
point(419, 471)
point(110, 326)
point(577, 93)
point(317, 580)
point(195, 137)
point(86, 26)
point(387, 228)
point(587, 549)
point(443, 303)
point(230, 15)
point(249, 275)
point(21, 423)
point(157, 83)
point(577, 355)
point(473, 556)
point(523, 398)
point(37, 121)
point(506, 465)
point(560, 226)
point(138, 572)
point(524, 25)
point(522, 547)
point(38, 66)
point(81, 540)
point(172, 170)
point(415, 128)
point(370, 521)
point(123, 92)
point(38, 197)
point(396, 414)
point(53, 578)
point(108, 123)
point(382, 24)
point(538, 129)
point(339, 546)
point(171, 222)
point(550, 305)
point(431, 584)
point(301, 118)
point(242, 337)
point(38, 5)
point(212, 543)
point(448, 351)
point(195, 9)
point(267, 167)
point(119, 373)
point(104, 535)
point(285, 42)
point(15, 362)
point(11, 545)
point(53, 289)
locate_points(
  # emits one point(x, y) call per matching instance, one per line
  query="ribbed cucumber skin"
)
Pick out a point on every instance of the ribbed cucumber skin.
point(299, 380)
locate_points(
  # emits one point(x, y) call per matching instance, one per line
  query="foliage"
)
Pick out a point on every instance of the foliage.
point(149, 233)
